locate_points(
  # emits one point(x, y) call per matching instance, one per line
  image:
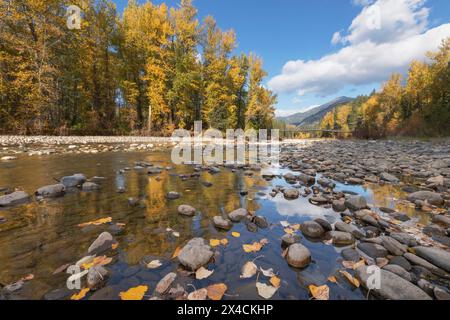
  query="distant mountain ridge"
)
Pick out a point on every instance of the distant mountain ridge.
point(316, 114)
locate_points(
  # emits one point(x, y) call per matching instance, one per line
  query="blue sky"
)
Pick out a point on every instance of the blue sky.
point(298, 34)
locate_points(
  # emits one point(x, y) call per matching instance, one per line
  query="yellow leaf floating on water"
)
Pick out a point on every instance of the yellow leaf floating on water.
point(96, 222)
point(332, 279)
point(289, 230)
point(320, 293)
point(350, 278)
point(255, 246)
point(114, 246)
point(224, 241)
point(203, 273)
point(216, 291)
point(80, 295)
point(98, 261)
point(235, 234)
point(265, 290)
point(214, 242)
point(176, 252)
point(135, 293)
point(275, 281)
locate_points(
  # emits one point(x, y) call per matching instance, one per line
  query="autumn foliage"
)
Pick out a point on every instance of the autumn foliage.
point(147, 71)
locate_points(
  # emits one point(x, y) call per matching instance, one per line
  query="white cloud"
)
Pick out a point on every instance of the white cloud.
point(371, 54)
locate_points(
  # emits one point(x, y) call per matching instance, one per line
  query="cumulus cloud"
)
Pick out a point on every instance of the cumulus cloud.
point(382, 39)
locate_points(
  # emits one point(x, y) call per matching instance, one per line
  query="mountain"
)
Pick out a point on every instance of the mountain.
point(315, 114)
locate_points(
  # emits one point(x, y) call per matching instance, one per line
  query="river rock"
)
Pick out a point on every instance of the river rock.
point(393, 246)
point(195, 254)
point(398, 271)
point(186, 210)
point(172, 195)
point(404, 238)
point(324, 224)
point(289, 239)
point(312, 229)
point(373, 250)
point(103, 243)
point(340, 238)
point(431, 197)
point(96, 277)
point(291, 193)
point(339, 205)
point(350, 254)
point(51, 191)
point(165, 283)
point(298, 256)
point(437, 257)
point(392, 286)
point(418, 261)
point(442, 220)
point(402, 262)
point(238, 215)
point(261, 222)
point(74, 180)
point(90, 186)
point(355, 202)
point(441, 294)
point(14, 198)
point(221, 223)
point(388, 177)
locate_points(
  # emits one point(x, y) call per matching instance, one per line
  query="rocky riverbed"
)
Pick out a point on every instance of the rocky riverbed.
point(138, 226)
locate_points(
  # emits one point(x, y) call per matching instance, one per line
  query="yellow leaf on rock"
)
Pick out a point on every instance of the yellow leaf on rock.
point(216, 291)
point(332, 279)
point(135, 293)
point(96, 222)
point(275, 281)
point(320, 293)
point(289, 230)
point(214, 242)
point(114, 246)
point(235, 234)
point(80, 295)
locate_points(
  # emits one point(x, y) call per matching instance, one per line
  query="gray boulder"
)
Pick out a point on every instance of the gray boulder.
point(51, 191)
point(398, 271)
point(392, 286)
point(437, 257)
point(195, 254)
point(393, 246)
point(73, 181)
point(298, 256)
point(172, 195)
point(373, 250)
point(238, 215)
point(291, 193)
point(90, 186)
point(355, 202)
point(388, 177)
point(15, 198)
point(96, 277)
point(103, 243)
point(432, 197)
point(186, 210)
point(312, 229)
point(221, 223)
point(340, 238)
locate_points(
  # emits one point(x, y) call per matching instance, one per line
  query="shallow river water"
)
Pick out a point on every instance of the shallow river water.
point(39, 237)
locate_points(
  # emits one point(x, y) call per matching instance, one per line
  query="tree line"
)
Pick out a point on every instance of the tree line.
point(418, 105)
point(148, 71)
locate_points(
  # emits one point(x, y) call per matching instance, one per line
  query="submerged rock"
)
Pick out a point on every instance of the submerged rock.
point(172, 195)
point(90, 186)
point(73, 181)
point(195, 254)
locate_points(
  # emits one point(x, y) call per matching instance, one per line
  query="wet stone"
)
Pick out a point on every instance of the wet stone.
point(298, 256)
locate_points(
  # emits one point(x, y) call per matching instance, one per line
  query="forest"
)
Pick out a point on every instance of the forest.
point(418, 105)
point(147, 71)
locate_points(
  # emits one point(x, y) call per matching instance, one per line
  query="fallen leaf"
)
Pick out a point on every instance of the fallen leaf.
point(255, 246)
point(154, 264)
point(265, 290)
point(135, 293)
point(96, 222)
point(268, 272)
point(320, 293)
point(289, 230)
point(350, 278)
point(28, 277)
point(98, 261)
point(199, 294)
point(284, 224)
point(224, 241)
point(214, 242)
point(216, 291)
point(353, 265)
point(275, 281)
point(80, 295)
point(176, 252)
point(248, 270)
point(235, 234)
point(295, 226)
point(332, 279)
point(114, 246)
point(203, 273)
point(264, 241)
